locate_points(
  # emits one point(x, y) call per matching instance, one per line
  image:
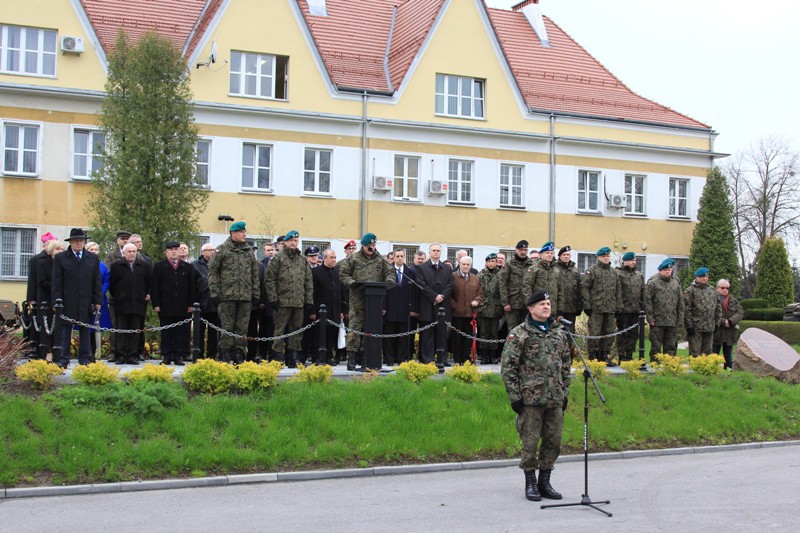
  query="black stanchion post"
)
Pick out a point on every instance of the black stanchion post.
point(44, 337)
point(197, 333)
point(441, 332)
point(322, 316)
point(57, 335)
point(641, 339)
point(34, 316)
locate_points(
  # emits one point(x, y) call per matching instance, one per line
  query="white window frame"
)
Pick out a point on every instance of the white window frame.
point(453, 250)
point(402, 182)
point(508, 188)
point(276, 82)
point(681, 264)
point(674, 198)
point(587, 191)
point(18, 258)
point(631, 195)
point(89, 157)
point(24, 51)
point(206, 164)
point(21, 149)
point(641, 263)
point(587, 258)
point(455, 96)
point(254, 167)
point(259, 242)
point(316, 172)
point(456, 184)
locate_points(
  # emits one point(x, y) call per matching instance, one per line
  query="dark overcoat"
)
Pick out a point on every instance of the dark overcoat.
point(402, 298)
point(129, 287)
point(43, 266)
point(77, 284)
point(173, 290)
point(434, 282)
point(328, 291)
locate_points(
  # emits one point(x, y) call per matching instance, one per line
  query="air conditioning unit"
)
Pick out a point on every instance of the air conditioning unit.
point(617, 201)
point(72, 45)
point(380, 183)
point(437, 187)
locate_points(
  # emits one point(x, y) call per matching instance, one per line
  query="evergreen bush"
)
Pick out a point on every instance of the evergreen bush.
point(774, 280)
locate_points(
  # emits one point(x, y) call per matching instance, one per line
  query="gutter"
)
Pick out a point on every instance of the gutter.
point(363, 188)
point(552, 178)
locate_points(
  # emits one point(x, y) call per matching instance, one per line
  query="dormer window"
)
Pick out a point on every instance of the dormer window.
point(459, 96)
point(259, 75)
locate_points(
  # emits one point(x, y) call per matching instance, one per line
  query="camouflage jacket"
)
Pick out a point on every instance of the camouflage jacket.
point(601, 290)
point(702, 307)
point(359, 267)
point(632, 282)
point(233, 273)
point(663, 301)
point(490, 307)
point(511, 282)
point(536, 365)
point(570, 299)
point(541, 275)
point(288, 280)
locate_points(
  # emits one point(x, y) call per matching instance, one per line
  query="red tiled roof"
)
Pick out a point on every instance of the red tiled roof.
point(202, 25)
point(173, 19)
point(566, 78)
point(414, 21)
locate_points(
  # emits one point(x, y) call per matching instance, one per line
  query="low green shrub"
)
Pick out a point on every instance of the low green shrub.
point(252, 376)
point(39, 373)
point(633, 369)
point(599, 369)
point(151, 373)
point(754, 303)
point(97, 373)
point(209, 376)
point(139, 398)
point(789, 332)
point(313, 374)
point(707, 365)
point(466, 373)
point(764, 314)
point(668, 365)
point(415, 371)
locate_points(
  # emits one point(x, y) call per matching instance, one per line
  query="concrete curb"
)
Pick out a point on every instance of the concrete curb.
point(275, 477)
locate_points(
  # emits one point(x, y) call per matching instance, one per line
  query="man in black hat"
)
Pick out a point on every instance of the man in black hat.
point(511, 285)
point(173, 293)
point(76, 281)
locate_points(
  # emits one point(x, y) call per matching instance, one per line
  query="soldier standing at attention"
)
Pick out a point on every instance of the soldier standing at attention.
point(632, 283)
point(602, 299)
point(233, 282)
point(511, 285)
point(663, 304)
point(570, 303)
point(702, 313)
point(542, 274)
point(536, 372)
point(491, 310)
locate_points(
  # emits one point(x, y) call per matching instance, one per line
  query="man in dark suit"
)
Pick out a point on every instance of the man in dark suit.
point(436, 281)
point(76, 281)
point(173, 292)
point(327, 291)
point(129, 285)
point(401, 305)
point(30, 335)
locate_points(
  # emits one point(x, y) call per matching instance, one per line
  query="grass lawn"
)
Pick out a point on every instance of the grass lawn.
point(82, 435)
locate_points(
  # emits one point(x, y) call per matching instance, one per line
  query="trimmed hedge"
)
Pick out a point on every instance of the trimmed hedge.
point(768, 314)
point(789, 332)
point(754, 303)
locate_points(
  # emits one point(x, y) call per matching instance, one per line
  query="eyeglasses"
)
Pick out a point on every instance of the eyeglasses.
point(724, 288)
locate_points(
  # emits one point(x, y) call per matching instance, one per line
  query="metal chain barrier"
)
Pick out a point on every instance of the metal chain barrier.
point(257, 339)
point(115, 330)
point(383, 336)
point(35, 324)
point(25, 326)
point(615, 334)
point(472, 337)
point(48, 328)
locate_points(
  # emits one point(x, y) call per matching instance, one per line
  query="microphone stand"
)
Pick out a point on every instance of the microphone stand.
point(587, 375)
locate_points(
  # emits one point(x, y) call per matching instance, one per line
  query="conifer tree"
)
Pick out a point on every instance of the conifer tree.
point(774, 280)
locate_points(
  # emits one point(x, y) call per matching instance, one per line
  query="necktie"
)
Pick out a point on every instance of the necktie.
point(78, 255)
point(399, 276)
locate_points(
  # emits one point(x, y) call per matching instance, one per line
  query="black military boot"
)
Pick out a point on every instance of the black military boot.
point(224, 356)
point(238, 356)
point(545, 489)
point(531, 490)
point(351, 361)
point(290, 360)
point(608, 358)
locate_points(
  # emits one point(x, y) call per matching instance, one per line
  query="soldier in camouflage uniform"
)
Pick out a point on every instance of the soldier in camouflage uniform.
point(364, 265)
point(542, 274)
point(491, 309)
point(234, 284)
point(602, 299)
point(536, 373)
point(702, 313)
point(511, 285)
point(663, 304)
point(632, 283)
point(570, 301)
point(290, 290)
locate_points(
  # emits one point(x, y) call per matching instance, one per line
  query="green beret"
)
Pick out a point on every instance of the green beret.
point(291, 235)
point(238, 226)
point(548, 247)
point(605, 250)
point(700, 272)
point(538, 296)
point(491, 256)
point(629, 256)
point(666, 263)
point(368, 238)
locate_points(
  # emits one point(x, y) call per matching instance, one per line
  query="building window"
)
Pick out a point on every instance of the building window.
point(681, 264)
point(678, 197)
point(634, 194)
point(508, 252)
point(406, 177)
point(256, 166)
point(511, 185)
point(29, 51)
point(409, 249)
point(588, 190)
point(317, 171)
point(203, 159)
point(458, 96)
point(259, 243)
point(460, 181)
point(322, 245)
point(451, 254)
point(641, 263)
point(21, 149)
point(258, 75)
point(17, 246)
point(88, 147)
point(584, 261)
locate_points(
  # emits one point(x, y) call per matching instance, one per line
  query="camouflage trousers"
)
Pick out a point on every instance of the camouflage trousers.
point(663, 339)
point(515, 317)
point(626, 343)
point(701, 343)
point(601, 324)
point(234, 315)
point(538, 422)
point(488, 329)
point(287, 319)
point(354, 340)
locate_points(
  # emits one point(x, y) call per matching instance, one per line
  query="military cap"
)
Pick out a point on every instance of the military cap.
point(350, 244)
point(491, 256)
point(311, 250)
point(564, 249)
point(666, 263)
point(522, 244)
point(48, 237)
point(171, 244)
point(548, 247)
point(280, 238)
point(124, 234)
point(605, 250)
point(629, 256)
point(368, 238)
point(538, 296)
point(700, 272)
point(291, 235)
point(238, 226)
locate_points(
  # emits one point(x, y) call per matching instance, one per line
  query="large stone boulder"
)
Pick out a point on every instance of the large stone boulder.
point(763, 354)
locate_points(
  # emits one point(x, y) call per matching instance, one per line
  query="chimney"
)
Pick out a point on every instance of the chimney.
point(522, 4)
point(532, 12)
point(317, 8)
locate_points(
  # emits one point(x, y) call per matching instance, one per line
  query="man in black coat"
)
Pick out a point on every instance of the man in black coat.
point(76, 282)
point(30, 335)
point(328, 291)
point(436, 280)
point(172, 293)
point(402, 304)
point(129, 285)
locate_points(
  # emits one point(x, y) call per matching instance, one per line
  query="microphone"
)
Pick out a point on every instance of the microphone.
point(564, 321)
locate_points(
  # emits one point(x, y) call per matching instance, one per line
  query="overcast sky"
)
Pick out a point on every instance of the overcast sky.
point(730, 64)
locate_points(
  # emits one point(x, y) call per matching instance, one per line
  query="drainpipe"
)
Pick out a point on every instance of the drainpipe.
point(552, 177)
point(363, 222)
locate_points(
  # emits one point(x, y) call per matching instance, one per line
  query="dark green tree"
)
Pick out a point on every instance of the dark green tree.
point(713, 242)
point(148, 184)
point(774, 280)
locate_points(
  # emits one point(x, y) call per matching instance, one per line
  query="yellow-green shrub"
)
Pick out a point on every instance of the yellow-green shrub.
point(39, 373)
point(251, 376)
point(669, 365)
point(707, 365)
point(209, 376)
point(415, 371)
point(151, 374)
point(97, 373)
point(313, 374)
point(599, 369)
point(632, 369)
point(468, 373)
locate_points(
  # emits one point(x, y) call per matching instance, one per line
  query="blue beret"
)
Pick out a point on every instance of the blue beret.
point(291, 235)
point(605, 250)
point(538, 296)
point(491, 256)
point(548, 247)
point(629, 256)
point(237, 226)
point(368, 238)
point(666, 263)
point(700, 272)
